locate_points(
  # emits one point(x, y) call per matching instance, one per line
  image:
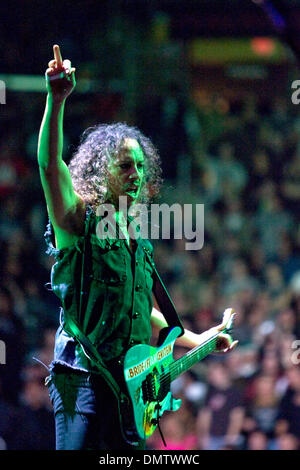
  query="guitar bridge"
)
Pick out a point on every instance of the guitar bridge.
point(147, 389)
point(153, 389)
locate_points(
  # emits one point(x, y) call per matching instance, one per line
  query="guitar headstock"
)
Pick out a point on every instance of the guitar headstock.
point(227, 321)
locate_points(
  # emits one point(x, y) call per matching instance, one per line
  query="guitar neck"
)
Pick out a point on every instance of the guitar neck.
point(184, 363)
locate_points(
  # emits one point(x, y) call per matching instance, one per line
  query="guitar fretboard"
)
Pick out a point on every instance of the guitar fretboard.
point(184, 363)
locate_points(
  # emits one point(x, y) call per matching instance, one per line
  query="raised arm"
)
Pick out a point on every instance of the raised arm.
point(65, 207)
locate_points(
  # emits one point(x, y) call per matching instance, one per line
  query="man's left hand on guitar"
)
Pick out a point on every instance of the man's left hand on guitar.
point(224, 343)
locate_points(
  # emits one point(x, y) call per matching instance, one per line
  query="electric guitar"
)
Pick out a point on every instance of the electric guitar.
point(149, 372)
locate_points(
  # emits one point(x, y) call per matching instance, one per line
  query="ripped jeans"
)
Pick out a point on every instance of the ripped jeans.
point(86, 413)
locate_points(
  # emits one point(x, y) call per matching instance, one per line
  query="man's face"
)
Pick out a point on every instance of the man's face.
point(126, 172)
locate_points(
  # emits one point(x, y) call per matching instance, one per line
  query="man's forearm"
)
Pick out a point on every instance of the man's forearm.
point(188, 339)
point(50, 144)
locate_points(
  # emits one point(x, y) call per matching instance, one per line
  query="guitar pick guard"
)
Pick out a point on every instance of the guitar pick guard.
point(146, 376)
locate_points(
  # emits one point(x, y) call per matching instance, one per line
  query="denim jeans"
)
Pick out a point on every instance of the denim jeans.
point(86, 413)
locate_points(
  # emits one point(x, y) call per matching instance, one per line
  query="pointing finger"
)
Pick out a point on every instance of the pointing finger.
point(57, 56)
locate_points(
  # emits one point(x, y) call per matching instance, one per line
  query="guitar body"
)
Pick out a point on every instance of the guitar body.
point(148, 383)
point(150, 370)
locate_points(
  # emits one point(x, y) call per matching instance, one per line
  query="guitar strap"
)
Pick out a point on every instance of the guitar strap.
point(163, 298)
point(92, 353)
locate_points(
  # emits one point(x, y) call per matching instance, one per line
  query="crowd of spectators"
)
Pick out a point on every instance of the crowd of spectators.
point(246, 175)
point(241, 160)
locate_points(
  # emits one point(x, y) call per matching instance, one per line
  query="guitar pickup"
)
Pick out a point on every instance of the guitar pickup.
point(147, 389)
point(153, 390)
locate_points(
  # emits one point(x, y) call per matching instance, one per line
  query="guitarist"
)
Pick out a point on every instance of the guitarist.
point(105, 284)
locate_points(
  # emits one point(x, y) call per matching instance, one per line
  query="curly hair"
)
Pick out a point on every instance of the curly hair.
point(98, 145)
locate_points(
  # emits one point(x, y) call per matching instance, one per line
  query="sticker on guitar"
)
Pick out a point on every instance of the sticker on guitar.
point(145, 365)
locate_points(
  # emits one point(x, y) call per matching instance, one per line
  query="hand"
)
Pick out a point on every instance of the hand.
point(60, 77)
point(225, 343)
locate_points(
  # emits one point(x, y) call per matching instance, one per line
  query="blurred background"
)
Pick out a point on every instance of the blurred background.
point(210, 82)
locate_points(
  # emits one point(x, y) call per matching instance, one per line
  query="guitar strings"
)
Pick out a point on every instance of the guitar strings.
point(198, 352)
point(176, 367)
